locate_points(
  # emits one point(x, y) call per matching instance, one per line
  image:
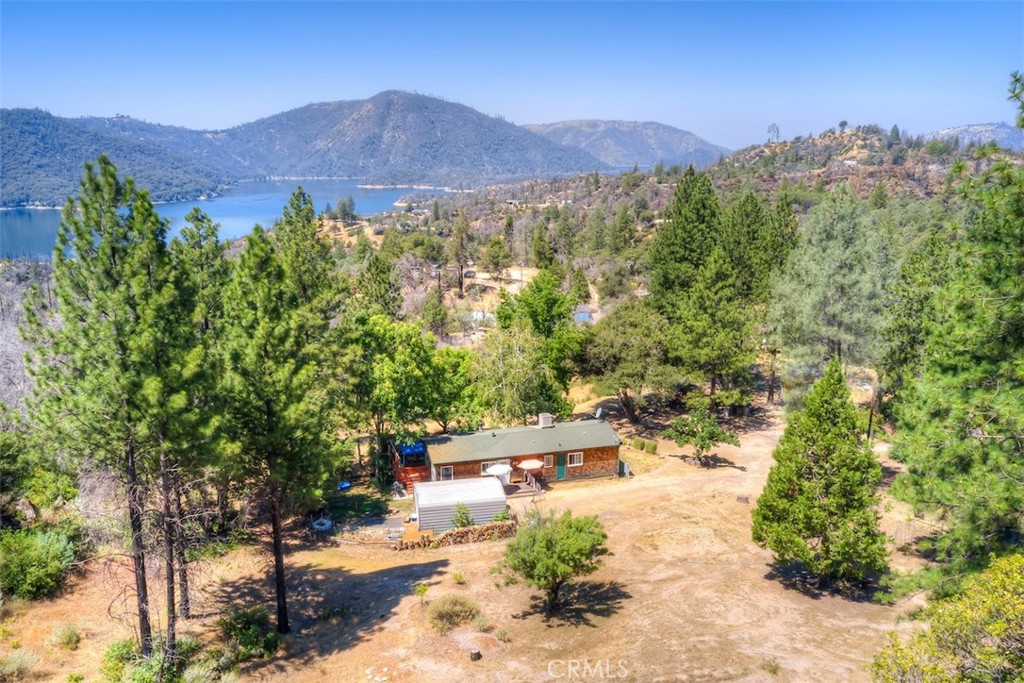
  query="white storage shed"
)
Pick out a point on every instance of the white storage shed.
point(434, 501)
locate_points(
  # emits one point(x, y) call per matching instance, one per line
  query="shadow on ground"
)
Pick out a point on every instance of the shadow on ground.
point(581, 604)
point(795, 577)
point(331, 609)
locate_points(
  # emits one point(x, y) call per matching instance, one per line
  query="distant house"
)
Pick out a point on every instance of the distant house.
point(566, 450)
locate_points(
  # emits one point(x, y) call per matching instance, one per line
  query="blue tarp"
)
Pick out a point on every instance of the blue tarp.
point(417, 448)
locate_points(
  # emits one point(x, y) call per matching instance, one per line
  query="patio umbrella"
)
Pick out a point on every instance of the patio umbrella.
point(498, 470)
point(531, 464)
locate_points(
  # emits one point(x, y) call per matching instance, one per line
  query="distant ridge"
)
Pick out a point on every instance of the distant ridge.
point(393, 138)
point(1003, 134)
point(624, 144)
point(42, 158)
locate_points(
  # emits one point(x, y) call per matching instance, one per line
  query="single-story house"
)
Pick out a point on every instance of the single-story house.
point(565, 450)
point(434, 501)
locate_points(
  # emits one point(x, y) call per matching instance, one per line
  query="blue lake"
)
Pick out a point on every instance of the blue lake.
point(33, 232)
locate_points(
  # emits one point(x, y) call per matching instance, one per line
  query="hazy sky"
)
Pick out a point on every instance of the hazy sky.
point(724, 70)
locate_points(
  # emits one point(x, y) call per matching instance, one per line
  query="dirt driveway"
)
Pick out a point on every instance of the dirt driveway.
point(685, 597)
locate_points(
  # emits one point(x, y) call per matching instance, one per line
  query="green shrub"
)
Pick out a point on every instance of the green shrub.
point(462, 517)
point(147, 670)
point(66, 637)
point(35, 562)
point(420, 591)
point(118, 658)
point(459, 578)
point(503, 516)
point(248, 633)
point(639, 444)
point(76, 678)
point(452, 610)
point(651, 447)
point(17, 665)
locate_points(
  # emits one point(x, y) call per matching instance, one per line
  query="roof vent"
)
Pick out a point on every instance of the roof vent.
point(545, 420)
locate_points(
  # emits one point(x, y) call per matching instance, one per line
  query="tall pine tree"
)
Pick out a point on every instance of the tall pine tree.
point(684, 241)
point(713, 338)
point(96, 359)
point(277, 389)
point(962, 426)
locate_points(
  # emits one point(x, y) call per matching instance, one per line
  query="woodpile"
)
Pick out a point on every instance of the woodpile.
point(469, 534)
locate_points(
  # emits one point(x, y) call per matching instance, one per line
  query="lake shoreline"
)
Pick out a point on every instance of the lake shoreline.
point(32, 230)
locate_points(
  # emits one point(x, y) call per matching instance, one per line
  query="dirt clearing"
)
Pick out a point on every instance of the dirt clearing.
point(686, 596)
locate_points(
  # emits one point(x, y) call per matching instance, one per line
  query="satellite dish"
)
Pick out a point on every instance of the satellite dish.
point(598, 413)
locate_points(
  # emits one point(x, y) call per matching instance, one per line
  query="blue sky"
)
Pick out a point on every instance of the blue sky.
point(724, 70)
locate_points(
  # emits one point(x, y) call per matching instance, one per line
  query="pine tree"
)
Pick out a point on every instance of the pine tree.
point(713, 337)
point(460, 248)
point(827, 303)
point(818, 507)
point(910, 311)
point(962, 423)
point(684, 241)
point(622, 231)
point(543, 253)
point(579, 286)
point(277, 389)
point(95, 359)
point(378, 286)
point(202, 273)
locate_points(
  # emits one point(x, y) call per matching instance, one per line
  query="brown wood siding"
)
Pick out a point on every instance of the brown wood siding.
point(597, 462)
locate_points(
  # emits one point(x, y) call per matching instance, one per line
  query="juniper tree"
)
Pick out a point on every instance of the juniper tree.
point(549, 552)
point(818, 507)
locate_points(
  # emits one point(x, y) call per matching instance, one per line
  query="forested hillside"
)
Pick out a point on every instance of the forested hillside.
point(42, 159)
point(393, 138)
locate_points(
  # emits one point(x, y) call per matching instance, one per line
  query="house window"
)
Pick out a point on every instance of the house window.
point(487, 463)
point(447, 472)
point(549, 460)
point(575, 459)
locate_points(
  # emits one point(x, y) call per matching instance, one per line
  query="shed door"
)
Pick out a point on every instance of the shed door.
point(560, 469)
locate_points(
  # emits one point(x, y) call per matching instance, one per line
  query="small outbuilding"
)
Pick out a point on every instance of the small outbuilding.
point(434, 501)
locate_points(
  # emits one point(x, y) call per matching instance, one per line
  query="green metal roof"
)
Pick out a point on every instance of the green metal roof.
point(496, 444)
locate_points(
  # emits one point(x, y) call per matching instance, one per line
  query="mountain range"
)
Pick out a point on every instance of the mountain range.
point(624, 144)
point(1003, 134)
point(392, 138)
